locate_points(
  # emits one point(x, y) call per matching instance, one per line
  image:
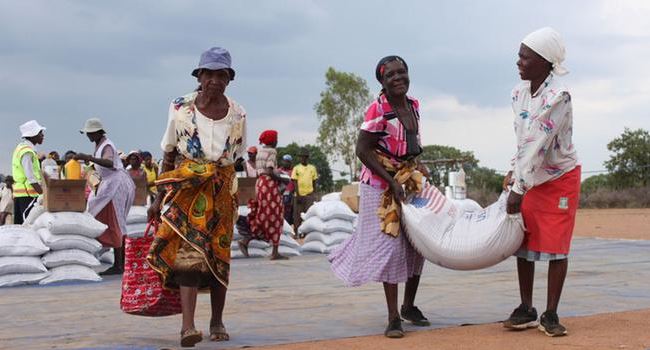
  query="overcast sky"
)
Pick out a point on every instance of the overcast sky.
point(62, 62)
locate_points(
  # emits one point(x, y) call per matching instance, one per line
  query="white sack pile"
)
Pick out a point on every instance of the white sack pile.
point(20, 256)
point(326, 225)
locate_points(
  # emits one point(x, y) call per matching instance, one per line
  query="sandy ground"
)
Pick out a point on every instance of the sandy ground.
point(623, 330)
point(613, 223)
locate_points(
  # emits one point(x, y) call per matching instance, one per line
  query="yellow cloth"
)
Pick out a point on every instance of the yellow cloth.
point(201, 216)
point(305, 176)
point(152, 176)
point(389, 210)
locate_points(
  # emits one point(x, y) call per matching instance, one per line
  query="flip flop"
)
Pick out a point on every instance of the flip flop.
point(190, 337)
point(243, 248)
point(218, 333)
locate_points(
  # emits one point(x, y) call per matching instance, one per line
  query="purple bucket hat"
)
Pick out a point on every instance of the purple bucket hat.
point(214, 59)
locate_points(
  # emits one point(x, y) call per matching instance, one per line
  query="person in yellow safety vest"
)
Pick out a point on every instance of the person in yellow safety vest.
point(26, 170)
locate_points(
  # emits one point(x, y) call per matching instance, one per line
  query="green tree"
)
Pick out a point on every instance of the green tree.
point(593, 183)
point(340, 112)
point(629, 166)
point(317, 158)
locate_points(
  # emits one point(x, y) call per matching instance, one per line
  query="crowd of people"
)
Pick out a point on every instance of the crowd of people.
point(204, 145)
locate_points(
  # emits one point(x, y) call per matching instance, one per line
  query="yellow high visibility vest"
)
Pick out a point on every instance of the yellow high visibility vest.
point(22, 187)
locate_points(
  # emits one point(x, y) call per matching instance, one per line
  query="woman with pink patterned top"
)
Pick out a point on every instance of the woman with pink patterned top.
point(390, 130)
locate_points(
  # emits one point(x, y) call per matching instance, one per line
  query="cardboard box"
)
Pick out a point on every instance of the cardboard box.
point(140, 191)
point(350, 196)
point(245, 189)
point(64, 195)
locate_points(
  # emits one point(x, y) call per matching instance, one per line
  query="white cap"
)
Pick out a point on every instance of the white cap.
point(31, 128)
point(92, 125)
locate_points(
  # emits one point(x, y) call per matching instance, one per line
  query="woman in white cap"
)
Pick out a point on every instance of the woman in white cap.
point(111, 200)
point(191, 251)
point(26, 170)
point(545, 176)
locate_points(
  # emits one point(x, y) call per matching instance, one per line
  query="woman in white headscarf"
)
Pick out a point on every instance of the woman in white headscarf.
point(545, 175)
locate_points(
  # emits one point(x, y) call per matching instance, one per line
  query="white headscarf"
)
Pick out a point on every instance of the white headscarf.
point(549, 44)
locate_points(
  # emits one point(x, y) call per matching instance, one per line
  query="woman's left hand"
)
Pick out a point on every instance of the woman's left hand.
point(514, 202)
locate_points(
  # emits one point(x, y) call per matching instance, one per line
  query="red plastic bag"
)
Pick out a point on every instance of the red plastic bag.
point(142, 290)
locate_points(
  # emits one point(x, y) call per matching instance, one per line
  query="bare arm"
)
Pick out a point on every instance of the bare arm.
point(366, 146)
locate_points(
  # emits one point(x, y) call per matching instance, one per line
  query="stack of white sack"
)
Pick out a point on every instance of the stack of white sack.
point(74, 250)
point(256, 248)
point(136, 221)
point(458, 235)
point(20, 256)
point(326, 225)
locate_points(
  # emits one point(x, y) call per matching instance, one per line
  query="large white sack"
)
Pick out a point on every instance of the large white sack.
point(71, 223)
point(327, 210)
point(334, 196)
point(18, 240)
point(315, 223)
point(314, 247)
point(61, 242)
point(107, 257)
point(36, 211)
point(256, 243)
point(101, 268)
point(287, 241)
point(69, 257)
point(67, 273)
point(21, 264)
point(287, 229)
point(136, 230)
point(461, 240)
point(19, 279)
point(137, 215)
point(283, 250)
point(328, 239)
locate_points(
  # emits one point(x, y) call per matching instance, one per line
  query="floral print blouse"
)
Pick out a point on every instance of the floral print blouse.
point(544, 127)
point(202, 139)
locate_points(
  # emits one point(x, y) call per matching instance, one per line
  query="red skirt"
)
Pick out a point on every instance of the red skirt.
point(266, 218)
point(549, 212)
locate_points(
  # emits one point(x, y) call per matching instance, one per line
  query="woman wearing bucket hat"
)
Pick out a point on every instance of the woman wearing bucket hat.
point(112, 198)
point(545, 178)
point(191, 251)
point(389, 135)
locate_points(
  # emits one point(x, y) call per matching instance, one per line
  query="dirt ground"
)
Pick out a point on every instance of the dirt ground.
point(624, 330)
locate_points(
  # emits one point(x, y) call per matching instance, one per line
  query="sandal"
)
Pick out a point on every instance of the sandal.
point(394, 328)
point(243, 248)
point(190, 337)
point(218, 333)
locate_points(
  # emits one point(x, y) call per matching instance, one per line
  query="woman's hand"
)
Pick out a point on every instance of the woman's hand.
point(153, 213)
point(514, 202)
point(507, 181)
point(398, 191)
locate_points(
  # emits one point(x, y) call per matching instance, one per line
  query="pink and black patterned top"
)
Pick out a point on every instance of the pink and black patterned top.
point(380, 119)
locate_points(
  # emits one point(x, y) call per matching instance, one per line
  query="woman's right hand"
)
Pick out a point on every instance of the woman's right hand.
point(398, 191)
point(507, 181)
point(153, 213)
